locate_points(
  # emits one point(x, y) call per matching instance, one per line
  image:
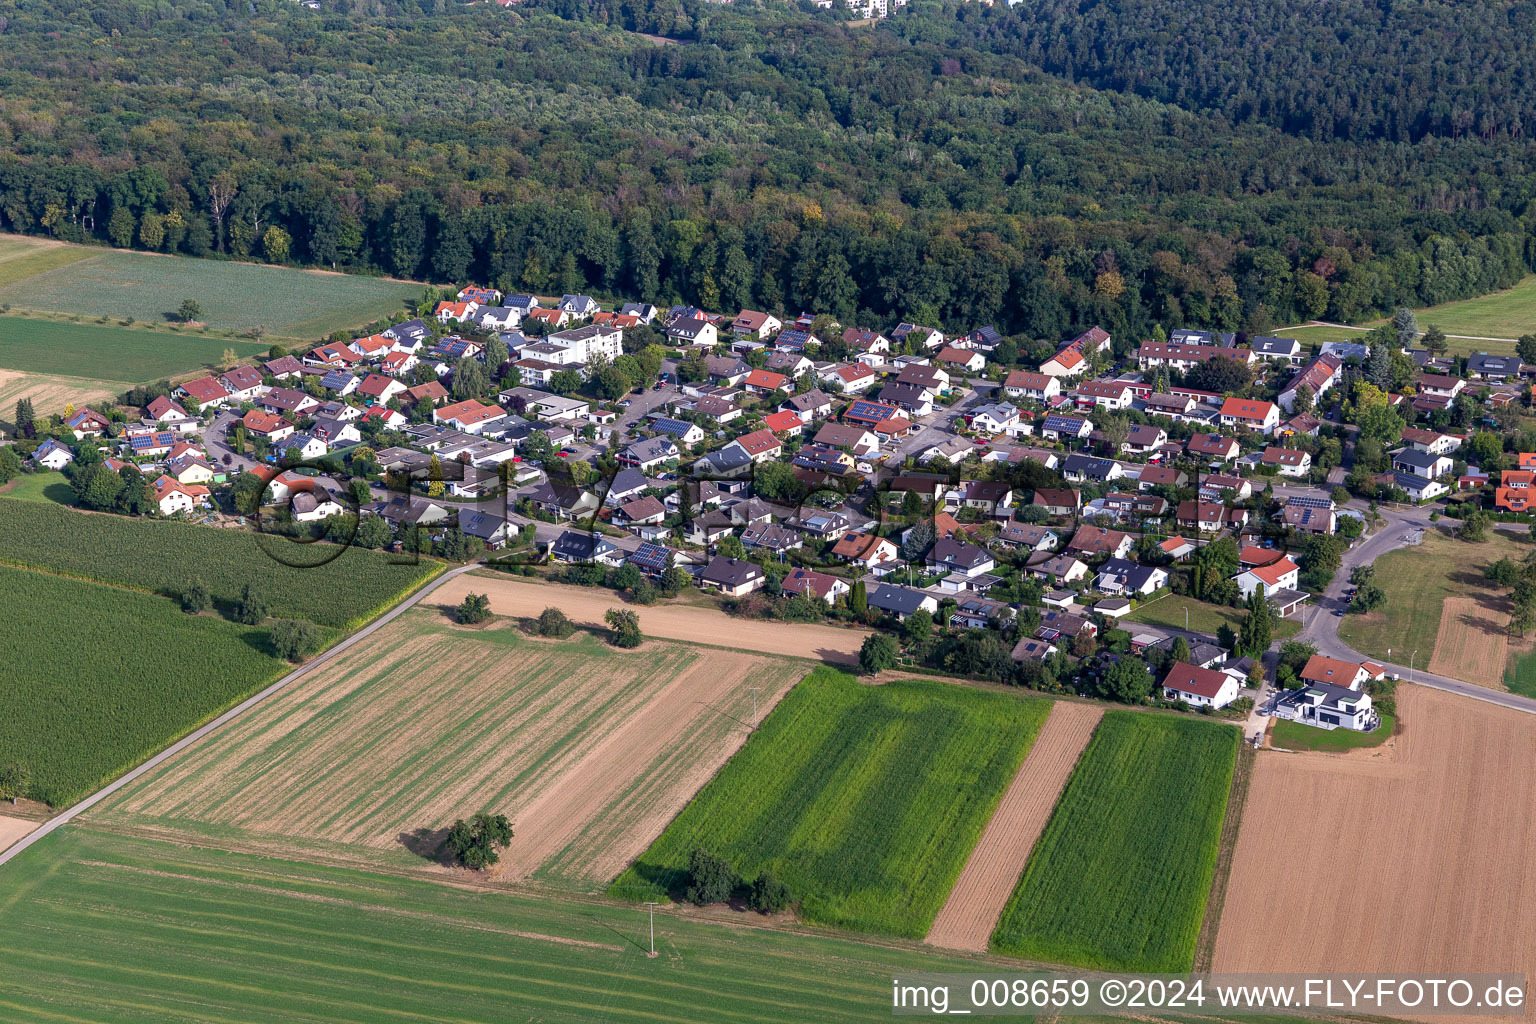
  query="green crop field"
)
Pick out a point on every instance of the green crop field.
point(865, 800)
point(1120, 877)
point(111, 929)
point(165, 557)
point(109, 353)
point(295, 304)
point(97, 678)
point(22, 257)
point(1295, 736)
point(1203, 618)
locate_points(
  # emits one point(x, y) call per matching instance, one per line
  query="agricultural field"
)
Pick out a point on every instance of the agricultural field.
point(22, 256)
point(1120, 878)
point(1295, 736)
point(1506, 314)
point(90, 352)
point(113, 929)
point(292, 304)
point(1422, 850)
point(588, 749)
point(97, 677)
point(165, 557)
point(1520, 673)
point(866, 800)
point(1203, 618)
point(49, 394)
point(1436, 590)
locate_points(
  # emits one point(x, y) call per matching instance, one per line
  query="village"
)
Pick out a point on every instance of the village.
point(1048, 522)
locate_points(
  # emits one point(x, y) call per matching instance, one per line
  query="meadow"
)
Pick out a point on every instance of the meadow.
point(1506, 314)
point(1295, 736)
point(589, 749)
point(1203, 617)
point(1120, 878)
point(288, 303)
point(112, 929)
point(165, 557)
point(97, 678)
point(110, 353)
point(865, 800)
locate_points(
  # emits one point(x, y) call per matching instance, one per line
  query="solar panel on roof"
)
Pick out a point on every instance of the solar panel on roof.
point(1304, 502)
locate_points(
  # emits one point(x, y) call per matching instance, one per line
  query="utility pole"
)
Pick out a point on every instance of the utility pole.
point(652, 907)
point(1415, 654)
point(1186, 618)
point(754, 690)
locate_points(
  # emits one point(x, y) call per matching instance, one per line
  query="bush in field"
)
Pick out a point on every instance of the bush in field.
point(1120, 876)
point(294, 640)
point(877, 654)
point(196, 598)
point(625, 625)
point(710, 879)
point(473, 610)
point(474, 843)
point(553, 623)
point(769, 895)
point(251, 609)
point(162, 556)
point(15, 780)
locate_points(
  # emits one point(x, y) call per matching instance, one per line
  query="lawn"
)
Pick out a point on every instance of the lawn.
point(1520, 673)
point(865, 800)
point(97, 678)
point(1203, 618)
point(1295, 736)
point(1318, 335)
point(1120, 877)
point(1417, 580)
point(47, 487)
point(165, 557)
point(110, 353)
point(1506, 314)
point(126, 930)
point(288, 303)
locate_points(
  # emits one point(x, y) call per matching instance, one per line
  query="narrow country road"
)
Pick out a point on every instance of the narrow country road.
point(239, 709)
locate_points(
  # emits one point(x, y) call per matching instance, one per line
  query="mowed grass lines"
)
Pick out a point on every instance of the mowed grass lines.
point(110, 353)
point(96, 678)
point(233, 296)
point(866, 800)
point(122, 930)
point(590, 750)
point(165, 557)
point(22, 257)
point(1119, 879)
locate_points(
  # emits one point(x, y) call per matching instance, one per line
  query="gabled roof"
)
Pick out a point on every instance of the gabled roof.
point(1203, 682)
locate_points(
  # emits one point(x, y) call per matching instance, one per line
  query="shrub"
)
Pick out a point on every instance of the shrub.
point(710, 879)
point(196, 598)
point(474, 842)
point(626, 627)
point(294, 640)
point(553, 623)
point(769, 895)
point(251, 609)
point(474, 609)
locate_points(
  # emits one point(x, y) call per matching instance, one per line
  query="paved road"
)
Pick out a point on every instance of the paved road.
point(233, 713)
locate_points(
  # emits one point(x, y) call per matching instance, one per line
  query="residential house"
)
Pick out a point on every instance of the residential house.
point(1436, 443)
point(1250, 414)
point(1418, 488)
point(1288, 461)
point(564, 501)
point(1213, 447)
point(1026, 537)
point(860, 442)
point(989, 496)
point(1069, 362)
point(1184, 357)
point(1328, 707)
point(956, 556)
point(960, 359)
point(1440, 386)
point(204, 393)
point(283, 367)
point(765, 382)
point(1103, 394)
point(1176, 407)
point(1143, 438)
point(1309, 519)
point(1093, 541)
point(727, 463)
point(652, 559)
point(1199, 687)
point(760, 445)
point(584, 546)
point(785, 424)
point(693, 331)
point(866, 549)
point(998, 418)
point(1515, 490)
point(769, 536)
point(902, 602)
point(1482, 366)
point(1209, 517)
point(149, 444)
point(1059, 569)
point(1422, 463)
point(1334, 672)
point(579, 306)
point(732, 577)
point(1287, 350)
point(1058, 428)
point(860, 339)
point(264, 424)
point(316, 504)
point(811, 406)
point(684, 432)
point(852, 378)
point(1318, 376)
point(649, 453)
point(1056, 501)
point(244, 383)
point(819, 585)
point(1037, 387)
point(290, 401)
point(53, 454)
point(1282, 574)
point(172, 497)
point(470, 416)
point(749, 323)
point(301, 446)
point(1080, 468)
point(1121, 576)
point(1177, 548)
point(1147, 505)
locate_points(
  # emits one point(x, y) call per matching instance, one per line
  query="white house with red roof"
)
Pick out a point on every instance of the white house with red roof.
point(1251, 414)
point(379, 389)
point(204, 392)
point(749, 323)
point(1067, 363)
point(1037, 387)
point(816, 585)
point(784, 423)
point(1280, 575)
point(1333, 671)
point(470, 416)
point(1200, 687)
point(760, 445)
point(764, 382)
point(265, 424)
point(172, 496)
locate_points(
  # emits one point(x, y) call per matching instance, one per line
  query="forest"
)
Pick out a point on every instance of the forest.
point(923, 168)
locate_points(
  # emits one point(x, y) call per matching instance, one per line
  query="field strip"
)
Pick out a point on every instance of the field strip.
point(12, 829)
point(1471, 644)
point(586, 607)
point(977, 900)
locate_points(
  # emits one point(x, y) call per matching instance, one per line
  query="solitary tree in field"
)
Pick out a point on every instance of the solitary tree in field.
point(474, 609)
point(196, 598)
point(553, 623)
point(474, 842)
point(15, 778)
point(877, 654)
point(293, 640)
point(625, 625)
point(251, 609)
point(189, 311)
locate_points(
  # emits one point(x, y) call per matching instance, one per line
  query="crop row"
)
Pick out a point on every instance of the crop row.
point(97, 678)
point(865, 800)
point(165, 557)
point(1120, 877)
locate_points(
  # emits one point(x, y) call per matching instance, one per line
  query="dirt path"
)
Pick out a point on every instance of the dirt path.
point(1413, 860)
point(1471, 643)
point(586, 607)
point(982, 890)
point(12, 829)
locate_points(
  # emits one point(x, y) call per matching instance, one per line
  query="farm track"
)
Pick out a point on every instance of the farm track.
point(977, 900)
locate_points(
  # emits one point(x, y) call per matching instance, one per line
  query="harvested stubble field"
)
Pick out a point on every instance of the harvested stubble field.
point(865, 800)
point(978, 898)
point(96, 678)
point(49, 393)
point(588, 749)
point(303, 304)
point(1423, 849)
point(691, 623)
point(1120, 878)
point(165, 557)
point(110, 929)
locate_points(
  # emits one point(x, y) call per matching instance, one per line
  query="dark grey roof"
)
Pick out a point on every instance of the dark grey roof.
point(1087, 465)
point(628, 479)
point(1417, 459)
point(956, 552)
point(580, 546)
point(731, 572)
point(1482, 362)
point(479, 524)
point(900, 600)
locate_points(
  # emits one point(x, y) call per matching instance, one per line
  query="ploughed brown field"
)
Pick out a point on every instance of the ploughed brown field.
point(1410, 857)
point(1472, 643)
point(691, 623)
point(589, 750)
